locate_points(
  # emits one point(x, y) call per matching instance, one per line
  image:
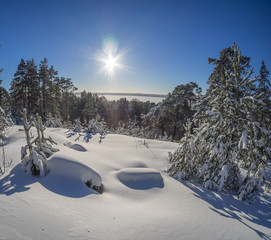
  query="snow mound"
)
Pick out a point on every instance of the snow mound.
point(68, 178)
point(140, 178)
point(75, 146)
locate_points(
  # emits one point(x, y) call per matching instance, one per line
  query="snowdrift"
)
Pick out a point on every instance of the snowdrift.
point(139, 200)
point(140, 178)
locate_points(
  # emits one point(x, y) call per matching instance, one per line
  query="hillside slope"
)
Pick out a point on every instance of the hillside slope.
point(139, 200)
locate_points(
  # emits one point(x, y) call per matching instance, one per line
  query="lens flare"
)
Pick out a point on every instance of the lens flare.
point(110, 46)
point(109, 56)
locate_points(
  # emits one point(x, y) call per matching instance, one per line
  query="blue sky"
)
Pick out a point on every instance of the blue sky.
point(164, 43)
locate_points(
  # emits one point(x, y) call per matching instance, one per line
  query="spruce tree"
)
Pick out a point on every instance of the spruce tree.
point(264, 92)
point(228, 149)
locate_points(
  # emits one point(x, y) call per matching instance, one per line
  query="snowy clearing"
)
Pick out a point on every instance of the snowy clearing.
point(139, 200)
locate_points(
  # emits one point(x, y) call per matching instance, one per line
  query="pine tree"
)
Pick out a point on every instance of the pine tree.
point(18, 89)
point(32, 162)
point(228, 149)
point(44, 145)
point(24, 91)
point(89, 110)
point(4, 96)
point(66, 88)
point(32, 87)
point(48, 90)
point(170, 116)
point(4, 99)
point(1, 70)
point(123, 109)
point(37, 149)
point(4, 122)
point(224, 63)
point(264, 92)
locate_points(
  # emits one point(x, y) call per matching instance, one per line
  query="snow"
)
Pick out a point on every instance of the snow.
point(140, 178)
point(243, 140)
point(223, 177)
point(139, 200)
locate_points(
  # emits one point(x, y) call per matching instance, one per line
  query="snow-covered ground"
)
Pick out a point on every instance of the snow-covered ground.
point(139, 200)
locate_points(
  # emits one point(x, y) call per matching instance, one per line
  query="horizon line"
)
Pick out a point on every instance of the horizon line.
point(127, 94)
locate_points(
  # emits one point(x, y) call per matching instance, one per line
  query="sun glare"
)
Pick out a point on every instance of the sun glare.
point(109, 56)
point(110, 63)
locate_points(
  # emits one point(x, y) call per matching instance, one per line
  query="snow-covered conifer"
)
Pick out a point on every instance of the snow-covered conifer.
point(53, 121)
point(228, 148)
point(264, 95)
point(44, 145)
point(97, 125)
point(30, 160)
point(166, 120)
point(5, 121)
point(77, 126)
point(37, 149)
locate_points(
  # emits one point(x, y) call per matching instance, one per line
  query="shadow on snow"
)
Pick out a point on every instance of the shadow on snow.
point(86, 136)
point(67, 178)
point(228, 206)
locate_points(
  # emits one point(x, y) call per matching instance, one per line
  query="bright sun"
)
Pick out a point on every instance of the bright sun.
point(110, 57)
point(110, 63)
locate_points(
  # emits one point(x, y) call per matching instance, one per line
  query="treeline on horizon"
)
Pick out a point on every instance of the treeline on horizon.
point(39, 89)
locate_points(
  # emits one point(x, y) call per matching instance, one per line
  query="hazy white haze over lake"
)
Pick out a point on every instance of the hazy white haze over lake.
point(142, 98)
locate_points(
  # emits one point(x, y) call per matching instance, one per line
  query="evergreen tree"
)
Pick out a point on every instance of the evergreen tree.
point(24, 91)
point(56, 97)
point(101, 103)
point(4, 99)
point(170, 116)
point(66, 88)
point(228, 149)
point(123, 109)
point(264, 92)
point(18, 89)
point(36, 151)
point(89, 111)
point(4, 96)
point(48, 89)
point(41, 91)
point(223, 65)
point(32, 87)
point(1, 70)
point(80, 105)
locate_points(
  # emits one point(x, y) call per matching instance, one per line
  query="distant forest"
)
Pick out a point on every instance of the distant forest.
point(39, 89)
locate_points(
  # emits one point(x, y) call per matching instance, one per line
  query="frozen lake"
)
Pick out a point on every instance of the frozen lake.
point(142, 98)
point(156, 98)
